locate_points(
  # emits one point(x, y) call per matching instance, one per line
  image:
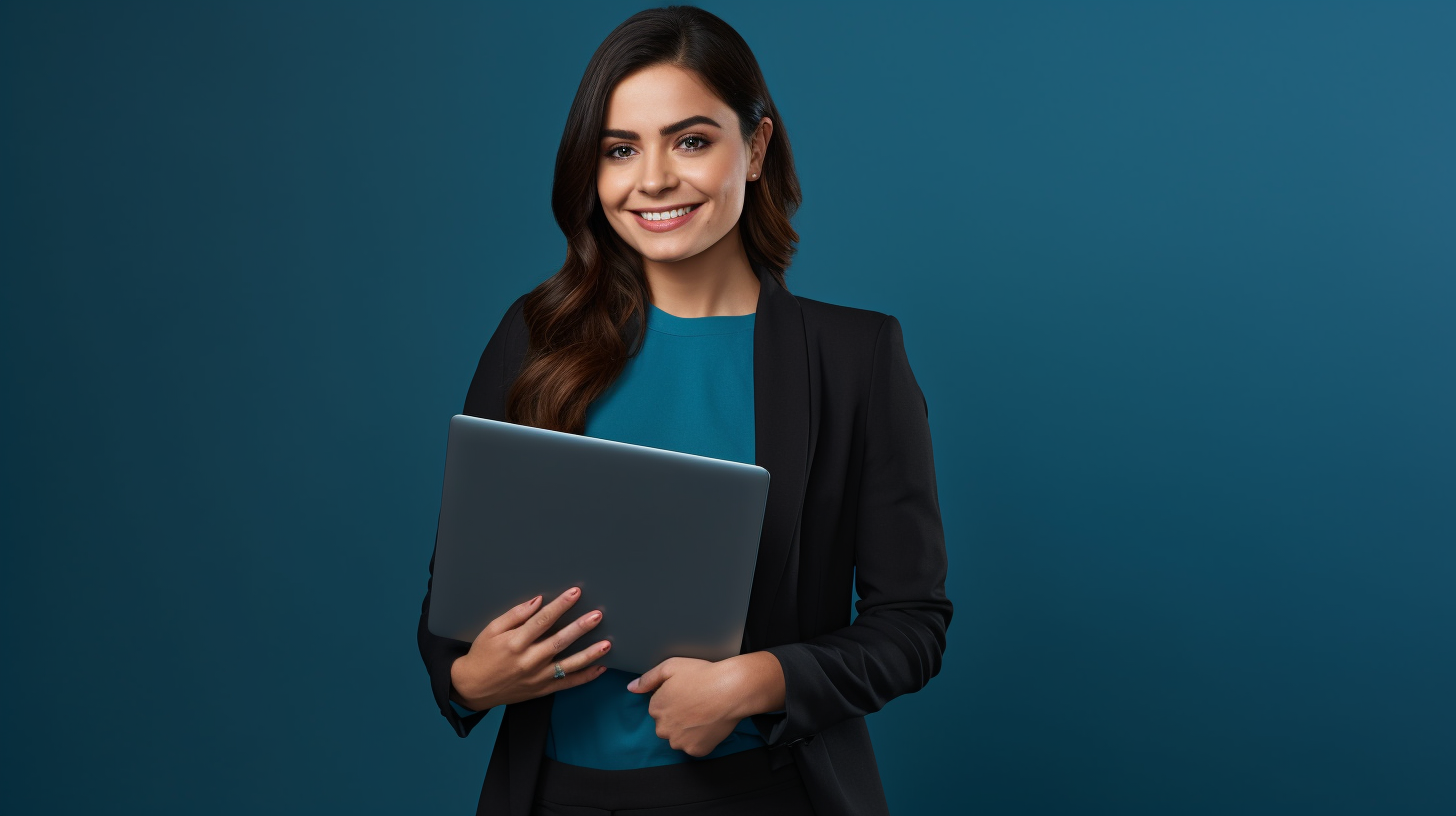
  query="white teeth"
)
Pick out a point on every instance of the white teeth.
point(663, 216)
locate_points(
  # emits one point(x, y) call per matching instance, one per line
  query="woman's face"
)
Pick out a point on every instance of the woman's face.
point(668, 143)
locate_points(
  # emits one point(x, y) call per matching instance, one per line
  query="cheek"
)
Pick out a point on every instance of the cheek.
point(611, 196)
point(714, 179)
point(609, 192)
point(730, 194)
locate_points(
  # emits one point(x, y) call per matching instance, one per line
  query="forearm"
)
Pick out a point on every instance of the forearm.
point(465, 691)
point(855, 671)
point(455, 695)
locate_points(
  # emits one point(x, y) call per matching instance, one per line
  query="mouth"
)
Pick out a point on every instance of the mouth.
point(664, 219)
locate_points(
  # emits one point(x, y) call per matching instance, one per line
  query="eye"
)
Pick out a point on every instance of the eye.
point(613, 153)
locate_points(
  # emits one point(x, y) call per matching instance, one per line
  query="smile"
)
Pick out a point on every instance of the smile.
point(666, 220)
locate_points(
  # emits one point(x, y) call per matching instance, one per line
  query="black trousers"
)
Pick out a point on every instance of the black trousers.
point(735, 784)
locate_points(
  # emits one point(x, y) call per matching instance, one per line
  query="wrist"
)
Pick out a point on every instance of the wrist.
point(759, 684)
point(460, 684)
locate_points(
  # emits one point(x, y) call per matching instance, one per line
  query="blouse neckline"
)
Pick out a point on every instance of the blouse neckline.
point(660, 321)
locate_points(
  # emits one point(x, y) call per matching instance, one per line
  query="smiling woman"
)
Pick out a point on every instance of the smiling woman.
point(669, 325)
point(677, 195)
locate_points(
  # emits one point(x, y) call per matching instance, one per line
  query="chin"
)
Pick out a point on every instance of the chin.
point(667, 257)
point(665, 252)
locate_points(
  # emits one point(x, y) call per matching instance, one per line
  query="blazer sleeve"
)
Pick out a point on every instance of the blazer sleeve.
point(896, 643)
point(486, 399)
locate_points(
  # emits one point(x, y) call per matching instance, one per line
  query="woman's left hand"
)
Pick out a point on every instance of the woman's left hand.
point(697, 703)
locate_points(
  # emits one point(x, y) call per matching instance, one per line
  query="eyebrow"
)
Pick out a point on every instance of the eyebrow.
point(672, 128)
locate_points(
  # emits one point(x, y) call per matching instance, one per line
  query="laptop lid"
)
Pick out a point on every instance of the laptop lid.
point(663, 542)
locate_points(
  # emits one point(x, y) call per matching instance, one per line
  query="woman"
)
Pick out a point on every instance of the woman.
point(669, 325)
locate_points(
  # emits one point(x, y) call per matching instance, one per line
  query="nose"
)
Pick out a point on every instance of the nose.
point(657, 174)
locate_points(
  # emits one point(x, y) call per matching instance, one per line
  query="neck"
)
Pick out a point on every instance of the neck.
point(717, 281)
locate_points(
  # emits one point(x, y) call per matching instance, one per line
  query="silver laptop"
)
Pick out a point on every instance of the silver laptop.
point(664, 543)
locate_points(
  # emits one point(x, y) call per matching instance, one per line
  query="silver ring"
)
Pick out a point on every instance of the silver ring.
point(558, 674)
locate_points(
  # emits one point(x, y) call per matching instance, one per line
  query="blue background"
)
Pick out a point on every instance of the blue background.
point(1177, 280)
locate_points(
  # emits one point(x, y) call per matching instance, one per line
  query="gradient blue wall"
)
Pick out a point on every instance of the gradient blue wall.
point(1178, 281)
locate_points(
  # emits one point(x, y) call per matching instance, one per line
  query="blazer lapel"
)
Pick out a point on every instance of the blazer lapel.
point(783, 435)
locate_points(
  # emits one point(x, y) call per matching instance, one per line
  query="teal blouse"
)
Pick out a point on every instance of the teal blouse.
point(689, 389)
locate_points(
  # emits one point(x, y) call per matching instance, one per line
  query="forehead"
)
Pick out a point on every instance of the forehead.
point(660, 95)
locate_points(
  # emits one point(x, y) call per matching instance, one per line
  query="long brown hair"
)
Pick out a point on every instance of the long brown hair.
point(584, 322)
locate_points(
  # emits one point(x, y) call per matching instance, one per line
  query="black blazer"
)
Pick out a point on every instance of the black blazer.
point(841, 427)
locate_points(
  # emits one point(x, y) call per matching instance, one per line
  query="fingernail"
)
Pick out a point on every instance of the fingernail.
point(606, 646)
point(594, 617)
point(573, 592)
point(533, 600)
point(632, 686)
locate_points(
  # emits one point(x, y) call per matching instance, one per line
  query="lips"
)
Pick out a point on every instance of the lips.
point(668, 224)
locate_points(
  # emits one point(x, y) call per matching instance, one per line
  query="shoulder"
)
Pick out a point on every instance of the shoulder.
point(498, 366)
point(513, 319)
point(506, 326)
point(860, 349)
point(834, 317)
point(510, 334)
point(846, 330)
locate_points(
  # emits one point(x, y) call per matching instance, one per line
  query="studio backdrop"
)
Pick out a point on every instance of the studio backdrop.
point(1177, 281)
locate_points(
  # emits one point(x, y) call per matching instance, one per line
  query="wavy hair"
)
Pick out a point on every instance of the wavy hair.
point(586, 320)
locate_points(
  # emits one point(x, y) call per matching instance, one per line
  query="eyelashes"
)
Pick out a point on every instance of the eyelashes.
point(612, 155)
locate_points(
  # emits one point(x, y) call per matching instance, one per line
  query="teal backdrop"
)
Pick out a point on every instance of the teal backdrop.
point(1178, 281)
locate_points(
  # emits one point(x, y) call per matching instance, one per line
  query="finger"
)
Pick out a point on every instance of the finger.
point(576, 678)
point(585, 657)
point(557, 643)
point(537, 625)
point(654, 677)
point(512, 618)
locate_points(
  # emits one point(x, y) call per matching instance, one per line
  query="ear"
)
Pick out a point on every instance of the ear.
point(758, 148)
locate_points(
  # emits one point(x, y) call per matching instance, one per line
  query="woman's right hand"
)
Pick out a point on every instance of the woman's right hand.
point(509, 662)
